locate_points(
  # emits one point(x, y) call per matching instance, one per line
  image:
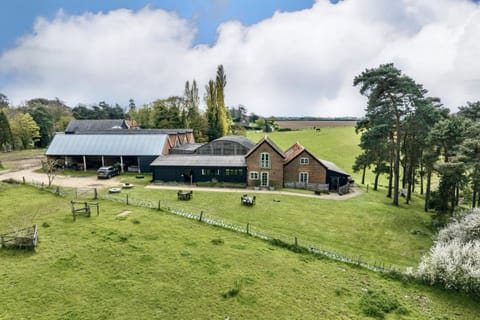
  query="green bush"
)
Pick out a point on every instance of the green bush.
point(377, 304)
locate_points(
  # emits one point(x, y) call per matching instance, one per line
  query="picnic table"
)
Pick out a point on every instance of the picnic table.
point(248, 201)
point(184, 195)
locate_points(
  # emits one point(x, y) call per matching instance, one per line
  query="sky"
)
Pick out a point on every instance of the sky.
point(281, 57)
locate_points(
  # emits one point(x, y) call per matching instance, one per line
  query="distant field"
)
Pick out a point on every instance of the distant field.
point(317, 124)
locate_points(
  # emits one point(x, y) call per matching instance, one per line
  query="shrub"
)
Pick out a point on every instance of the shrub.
point(454, 259)
point(377, 304)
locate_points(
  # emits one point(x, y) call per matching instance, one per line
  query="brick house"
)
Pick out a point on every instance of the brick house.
point(302, 167)
point(265, 164)
point(268, 165)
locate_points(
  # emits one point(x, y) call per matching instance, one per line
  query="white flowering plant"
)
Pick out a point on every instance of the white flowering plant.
point(454, 259)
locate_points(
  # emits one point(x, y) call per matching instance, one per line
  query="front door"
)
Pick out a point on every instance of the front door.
point(264, 181)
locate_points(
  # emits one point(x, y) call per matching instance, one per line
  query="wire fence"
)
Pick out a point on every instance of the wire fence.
point(274, 237)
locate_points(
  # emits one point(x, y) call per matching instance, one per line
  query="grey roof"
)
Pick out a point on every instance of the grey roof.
point(247, 143)
point(196, 160)
point(136, 131)
point(107, 144)
point(333, 167)
point(94, 125)
point(186, 148)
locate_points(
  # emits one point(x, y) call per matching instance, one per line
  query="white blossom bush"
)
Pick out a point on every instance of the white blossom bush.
point(454, 259)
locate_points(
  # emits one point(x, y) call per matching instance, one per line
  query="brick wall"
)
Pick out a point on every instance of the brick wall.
point(317, 173)
point(276, 166)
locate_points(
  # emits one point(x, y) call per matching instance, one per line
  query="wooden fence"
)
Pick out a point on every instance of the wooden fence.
point(247, 229)
point(308, 186)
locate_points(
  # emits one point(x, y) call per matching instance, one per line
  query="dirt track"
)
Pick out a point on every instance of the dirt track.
point(25, 168)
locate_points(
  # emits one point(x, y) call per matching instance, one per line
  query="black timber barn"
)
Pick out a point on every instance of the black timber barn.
point(221, 160)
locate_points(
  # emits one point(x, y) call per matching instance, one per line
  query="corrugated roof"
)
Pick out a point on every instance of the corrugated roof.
point(107, 144)
point(197, 160)
point(89, 125)
point(333, 167)
point(247, 143)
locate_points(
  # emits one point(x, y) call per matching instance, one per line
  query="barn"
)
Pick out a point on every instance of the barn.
point(90, 144)
point(222, 160)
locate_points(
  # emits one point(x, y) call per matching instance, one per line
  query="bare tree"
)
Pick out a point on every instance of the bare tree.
point(51, 168)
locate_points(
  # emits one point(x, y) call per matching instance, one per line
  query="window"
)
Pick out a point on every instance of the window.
point(233, 172)
point(264, 182)
point(303, 177)
point(254, 175)
point(265, 160)
point(304, 160)
point(210, 172)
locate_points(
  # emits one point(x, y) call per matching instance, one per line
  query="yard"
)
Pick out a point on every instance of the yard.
point(153, 265)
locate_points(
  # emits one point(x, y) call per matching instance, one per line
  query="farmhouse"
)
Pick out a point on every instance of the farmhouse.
point(237, 159)
point(94, 143)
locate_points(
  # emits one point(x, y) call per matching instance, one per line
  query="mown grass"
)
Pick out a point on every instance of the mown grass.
point(367, 225)
point(153, 265)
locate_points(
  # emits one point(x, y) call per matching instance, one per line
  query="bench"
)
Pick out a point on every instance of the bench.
point(184, 195)
point(248, 201)
point(79, 208)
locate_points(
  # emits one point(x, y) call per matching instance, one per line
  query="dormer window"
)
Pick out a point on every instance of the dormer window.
point(304, 161)
point(264, 160)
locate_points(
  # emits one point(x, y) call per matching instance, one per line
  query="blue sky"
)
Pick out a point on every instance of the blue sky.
point(281, 57)
point(17, 17)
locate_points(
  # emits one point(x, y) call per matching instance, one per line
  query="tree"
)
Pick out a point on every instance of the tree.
point(469, 153)
point(3, 101)
point(391, 97)
point(194, 119)
point(6, 138)
point(50, 167)
point(24, 130)
point(215, 101)
point(470, 111)
point(166, 113)
point(45, 123)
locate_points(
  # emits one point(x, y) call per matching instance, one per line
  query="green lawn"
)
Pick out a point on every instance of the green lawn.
point(367, 225)
point(153, 265)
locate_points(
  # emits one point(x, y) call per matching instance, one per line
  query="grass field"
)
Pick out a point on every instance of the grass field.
point(153, 265)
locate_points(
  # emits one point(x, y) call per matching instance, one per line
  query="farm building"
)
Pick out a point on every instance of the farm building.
point(222, 159)
point(237, 159)
point(89, 145)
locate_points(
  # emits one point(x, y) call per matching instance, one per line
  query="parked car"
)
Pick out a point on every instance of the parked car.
point(107, 172)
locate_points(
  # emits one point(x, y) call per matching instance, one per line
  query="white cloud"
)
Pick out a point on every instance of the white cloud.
point(296, 63)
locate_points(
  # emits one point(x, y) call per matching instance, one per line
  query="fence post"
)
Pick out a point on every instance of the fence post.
point(95, 195)
point(23, 179)
point(127, 198)
point(201, 216)
point(57, 191)
point(159, 204)
point(248, 228)
point(43, 185)
point(296, 242)
point(76, 193)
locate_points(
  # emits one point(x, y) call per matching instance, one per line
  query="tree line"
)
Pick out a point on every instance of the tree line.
point(412, 138)
point(34, 123)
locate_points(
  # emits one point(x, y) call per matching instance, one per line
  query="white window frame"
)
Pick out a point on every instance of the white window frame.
point(266, 180)
point(253, 175)
point(264, 160)
point(304, 160)
point(303, 177)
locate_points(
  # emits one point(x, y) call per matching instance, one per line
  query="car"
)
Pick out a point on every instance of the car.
point(107, 172)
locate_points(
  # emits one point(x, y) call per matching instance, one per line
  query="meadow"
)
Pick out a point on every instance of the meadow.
point(154, 265)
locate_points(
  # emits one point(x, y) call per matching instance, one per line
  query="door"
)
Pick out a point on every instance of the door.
point(264, 179)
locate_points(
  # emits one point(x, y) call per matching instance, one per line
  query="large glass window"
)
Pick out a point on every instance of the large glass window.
point(265, 160)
